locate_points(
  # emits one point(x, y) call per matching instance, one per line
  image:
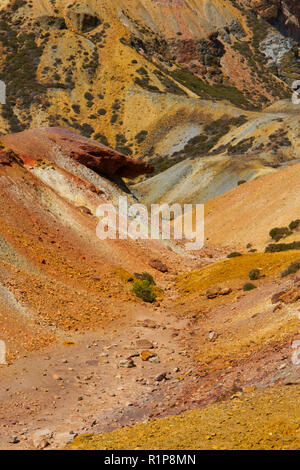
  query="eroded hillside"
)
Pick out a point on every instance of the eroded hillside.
point(130, 74)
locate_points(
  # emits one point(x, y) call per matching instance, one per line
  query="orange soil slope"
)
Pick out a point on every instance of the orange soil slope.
point(248, 213)
point(55, 274)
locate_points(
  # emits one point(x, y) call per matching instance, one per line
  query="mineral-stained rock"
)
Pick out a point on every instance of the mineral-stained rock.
point(127, 363)
point(158, 265)
point(144, 344)
point(161, 376)
point(145, 355)
point(266, 8)
point(276, 297)
point(5, 158)
point(212, 293)
point(290, 297)
point(50, 143)
point(148, 323)
point(41, 438)
point(215, 292)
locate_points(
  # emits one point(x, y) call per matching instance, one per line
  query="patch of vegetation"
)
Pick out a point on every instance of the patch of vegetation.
point(19, 69)
point(202, 144)
point(217, 92)
point(102, 139)
point(141, 136)
point(278, 233)
point(143, 287)
point(235, 254)
point(292, 269)
point(170, 85)
point(294, 225)
point(76, 108)
point(254, 274)
point(242, 147)
point(115, 108)
point(277, 248)
point(121, 146)
point(248, 287)
point(145, 277)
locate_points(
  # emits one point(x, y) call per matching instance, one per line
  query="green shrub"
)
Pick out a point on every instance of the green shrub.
point(279, 232)
point(254, 274)
point(144, 291)
point(235, 254)
point(272, 248)
point(292, 269)
point(145, 277)
point(248, 286)
point(294, 224)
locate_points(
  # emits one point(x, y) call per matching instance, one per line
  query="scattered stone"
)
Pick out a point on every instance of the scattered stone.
point(56, 377)
point(276, 297)
point(215, 292)
point(85, 210)
point(127, 363)
point(146, 355)
point(225, 291)
point(158, 265)
point(212, 336)
point(41, 438)
point(290, 297)
point(43, 444)
point(14, 440)
point(64, 438)
point(149, 323)
point(212, 293)
point(160, 377)
point(154, 359)
point(144, 344)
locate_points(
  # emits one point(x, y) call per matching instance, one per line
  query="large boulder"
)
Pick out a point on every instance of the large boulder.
point(48, 143)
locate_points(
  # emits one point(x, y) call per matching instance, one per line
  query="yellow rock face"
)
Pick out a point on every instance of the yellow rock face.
point(126, 72)
point(253, 420)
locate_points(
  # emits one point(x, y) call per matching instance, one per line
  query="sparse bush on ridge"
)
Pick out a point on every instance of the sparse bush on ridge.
point(235, 254)
point(144, 291)
point(145, 277)
point(254, 274)
point(294, 224)
point(143, 287)
point(248, 287)
point(292, 269)
point(276, 248)
point(278, 233)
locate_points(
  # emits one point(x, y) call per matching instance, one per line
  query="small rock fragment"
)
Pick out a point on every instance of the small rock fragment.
point(160, 377)
point(212, 336)
point(14, 440)
point(127, 363)
point(158, 265)
point(146, 355)
point(144, 344)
